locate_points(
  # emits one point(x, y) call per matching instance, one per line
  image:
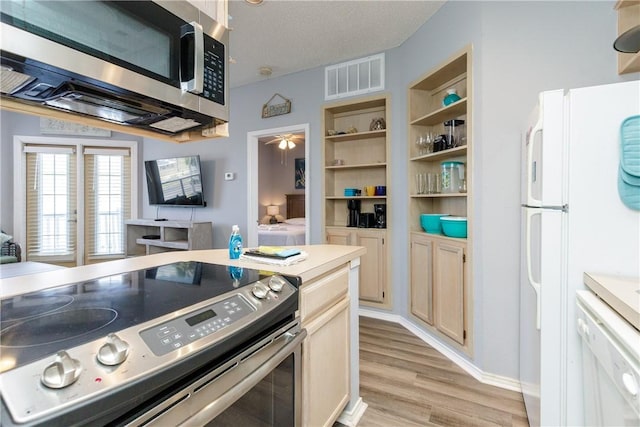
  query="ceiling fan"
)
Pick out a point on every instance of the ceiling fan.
point(287, 141)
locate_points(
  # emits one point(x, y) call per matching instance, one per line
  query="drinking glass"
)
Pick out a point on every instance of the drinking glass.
point(433, 183)
point(419, 142)
point(428, 146)
point(421, 183)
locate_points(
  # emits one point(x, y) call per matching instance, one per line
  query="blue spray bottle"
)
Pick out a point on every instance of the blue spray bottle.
point(235, 243)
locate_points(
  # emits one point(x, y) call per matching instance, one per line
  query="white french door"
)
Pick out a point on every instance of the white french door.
point(73, 198)
point(51, 210)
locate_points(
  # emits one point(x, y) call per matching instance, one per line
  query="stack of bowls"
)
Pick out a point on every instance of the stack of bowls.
point(454, 226)
point(431, 223)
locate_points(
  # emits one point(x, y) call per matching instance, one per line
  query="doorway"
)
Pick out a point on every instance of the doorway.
point(255, 209)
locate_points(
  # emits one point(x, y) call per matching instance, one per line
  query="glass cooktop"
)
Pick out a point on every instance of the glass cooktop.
point(38, 324)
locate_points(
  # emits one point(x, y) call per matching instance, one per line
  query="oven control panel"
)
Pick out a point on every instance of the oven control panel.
point(184, 330)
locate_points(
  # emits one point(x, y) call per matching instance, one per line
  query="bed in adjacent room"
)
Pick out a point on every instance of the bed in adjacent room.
point(291, 232)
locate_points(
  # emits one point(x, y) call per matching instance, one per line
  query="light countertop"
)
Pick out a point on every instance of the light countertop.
point(322, 258)
point(621, 293)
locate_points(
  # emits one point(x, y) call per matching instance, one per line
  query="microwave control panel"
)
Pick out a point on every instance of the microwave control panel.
point(214, 63)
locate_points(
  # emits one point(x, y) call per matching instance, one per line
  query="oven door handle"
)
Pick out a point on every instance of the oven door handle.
point(207, 398)
point(276, 352)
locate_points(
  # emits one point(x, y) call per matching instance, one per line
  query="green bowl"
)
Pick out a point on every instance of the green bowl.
point(431, 222)
point(454, 226)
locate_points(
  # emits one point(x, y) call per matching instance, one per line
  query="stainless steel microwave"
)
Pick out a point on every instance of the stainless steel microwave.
point(160, 66)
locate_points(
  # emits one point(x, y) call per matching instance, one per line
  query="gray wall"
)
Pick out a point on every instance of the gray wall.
point(519, 49)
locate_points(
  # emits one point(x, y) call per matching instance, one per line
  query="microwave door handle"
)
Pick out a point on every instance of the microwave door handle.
point(195, 84)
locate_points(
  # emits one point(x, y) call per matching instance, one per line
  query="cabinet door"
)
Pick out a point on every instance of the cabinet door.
point(338, 237)
point(325, 366)
point(372, 266)
point(422, 278)
point(449, 290)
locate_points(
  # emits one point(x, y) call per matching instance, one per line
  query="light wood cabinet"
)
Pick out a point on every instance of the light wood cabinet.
point(147, 236)
point(448, 289)
point(628, 17)
point(422, 277)
point(339, 236)
point(324, 314)
point(216, 9)
point(356, 153)
point(373, 265)
point(440, 290)
point(439, 285)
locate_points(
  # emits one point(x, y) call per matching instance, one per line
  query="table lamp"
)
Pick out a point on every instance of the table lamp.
point(272, 211)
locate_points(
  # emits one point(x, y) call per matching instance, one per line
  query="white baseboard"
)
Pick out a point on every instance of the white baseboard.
point(466, 365)
point(351, 416)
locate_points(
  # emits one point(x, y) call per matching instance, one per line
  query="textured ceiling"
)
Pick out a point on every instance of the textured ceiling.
point(295, 35)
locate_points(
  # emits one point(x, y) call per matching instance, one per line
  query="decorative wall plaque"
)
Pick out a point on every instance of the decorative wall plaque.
point(276, 109)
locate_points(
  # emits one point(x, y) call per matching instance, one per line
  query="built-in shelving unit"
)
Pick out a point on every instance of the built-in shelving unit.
point(440, 283)
point(628, 17)
point(147, 236)
point(356, 156)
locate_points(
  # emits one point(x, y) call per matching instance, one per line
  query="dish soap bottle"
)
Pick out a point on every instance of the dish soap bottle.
point(452, 96)
point(235, 243)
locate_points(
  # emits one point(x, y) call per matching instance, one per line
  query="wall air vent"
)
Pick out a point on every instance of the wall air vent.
point(354, 77)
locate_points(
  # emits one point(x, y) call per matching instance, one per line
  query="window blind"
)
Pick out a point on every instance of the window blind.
point(50, 203)
point(107, 201)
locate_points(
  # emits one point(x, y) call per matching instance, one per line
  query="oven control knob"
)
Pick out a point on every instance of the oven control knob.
point(62, 372)
point(260, 290)
point(276, 283)
point(114, 351)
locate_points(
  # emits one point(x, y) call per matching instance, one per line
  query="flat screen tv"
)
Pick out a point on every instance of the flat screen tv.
point(175, 181)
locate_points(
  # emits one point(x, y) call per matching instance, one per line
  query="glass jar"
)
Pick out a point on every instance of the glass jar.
point(452, 176)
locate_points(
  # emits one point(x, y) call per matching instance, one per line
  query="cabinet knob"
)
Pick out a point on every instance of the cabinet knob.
point(62, 372)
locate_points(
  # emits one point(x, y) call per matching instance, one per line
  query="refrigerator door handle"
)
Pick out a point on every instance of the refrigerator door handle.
point(531, 171)
point(535, 285)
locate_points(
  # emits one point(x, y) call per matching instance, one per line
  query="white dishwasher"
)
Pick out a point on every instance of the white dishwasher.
point(610, 355)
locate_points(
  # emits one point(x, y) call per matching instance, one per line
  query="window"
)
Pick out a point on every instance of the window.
point(51, 198)
point(107, 204)
point(74, 205)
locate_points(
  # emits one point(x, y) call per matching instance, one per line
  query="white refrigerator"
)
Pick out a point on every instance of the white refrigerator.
point(573, 221)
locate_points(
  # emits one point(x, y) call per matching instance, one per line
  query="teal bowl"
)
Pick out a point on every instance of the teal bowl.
point(454, 226)
point(431, 222)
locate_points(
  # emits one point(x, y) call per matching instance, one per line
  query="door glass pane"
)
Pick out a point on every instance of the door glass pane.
point(271, 403)
point(109, 214)
point(51, 207)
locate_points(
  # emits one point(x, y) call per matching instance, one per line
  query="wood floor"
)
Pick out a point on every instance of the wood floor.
point(407, 383)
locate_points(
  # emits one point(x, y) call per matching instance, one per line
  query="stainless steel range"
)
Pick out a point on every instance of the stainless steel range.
point(184, 343)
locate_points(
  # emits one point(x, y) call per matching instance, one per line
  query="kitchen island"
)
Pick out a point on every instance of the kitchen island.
point(328, 308)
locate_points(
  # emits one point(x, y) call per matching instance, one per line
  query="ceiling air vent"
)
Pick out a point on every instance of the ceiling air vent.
point(355, 77)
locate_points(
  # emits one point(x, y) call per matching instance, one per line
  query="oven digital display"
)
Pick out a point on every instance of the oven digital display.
point(200, 317)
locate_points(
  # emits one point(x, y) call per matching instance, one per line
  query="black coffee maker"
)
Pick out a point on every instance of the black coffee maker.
point(354, 212)
point(380, 211)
